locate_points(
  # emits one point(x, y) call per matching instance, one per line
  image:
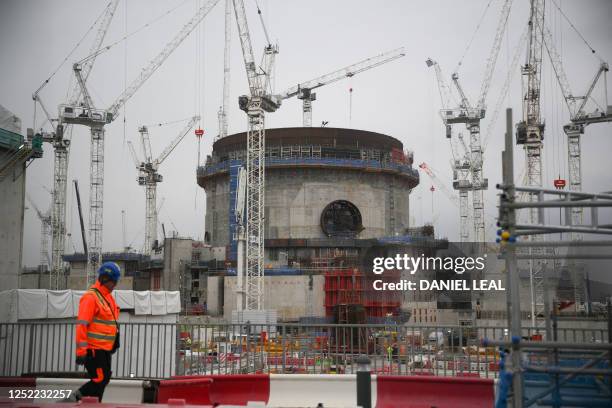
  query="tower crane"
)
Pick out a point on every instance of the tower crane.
point(45, 232)
point(254, 105)
point(304, 90)
point(579, 118)
point(148, 177)
point(460, 164)
point(88, 115)
point(61, 147)
point(530, 134)
point(471, 116)
point(573, 130)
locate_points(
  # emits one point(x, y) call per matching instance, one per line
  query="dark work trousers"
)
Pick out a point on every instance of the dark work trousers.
point(99, 371)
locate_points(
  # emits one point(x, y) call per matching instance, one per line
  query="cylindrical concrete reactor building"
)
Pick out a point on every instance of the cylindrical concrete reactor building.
point(320, 183)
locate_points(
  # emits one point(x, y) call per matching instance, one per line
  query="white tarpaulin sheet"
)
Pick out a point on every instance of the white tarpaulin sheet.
point(142, 302)
point(31, 304)
point(76, 297)
point(59, 304)
point(158, 303)
point(124, 298)
point(173, 302)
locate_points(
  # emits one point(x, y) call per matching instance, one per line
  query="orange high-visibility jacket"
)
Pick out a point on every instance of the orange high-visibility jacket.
point(96, 322)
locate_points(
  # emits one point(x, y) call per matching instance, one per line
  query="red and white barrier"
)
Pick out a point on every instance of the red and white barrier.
point(289, 390)
point(307, 390)
point(222, 389)
point(431, 391)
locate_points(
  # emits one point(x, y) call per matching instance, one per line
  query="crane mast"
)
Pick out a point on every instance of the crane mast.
point(96, 119)
point(530, 134)
point(45, 232)
point(462, 183)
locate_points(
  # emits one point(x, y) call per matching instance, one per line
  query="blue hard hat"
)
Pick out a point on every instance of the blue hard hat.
point(111, 269)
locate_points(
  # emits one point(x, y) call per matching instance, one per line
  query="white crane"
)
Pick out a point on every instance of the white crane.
point(471, 115)
point(304, 90)
point(530, 134)
point(148, 177)
point(61, 150)
point(259, 101)
point(241, 228)
point(87, 115)
point(461, 167)
point(461, 162)
point(45, 232)
point(579, 118)
point(254, 105)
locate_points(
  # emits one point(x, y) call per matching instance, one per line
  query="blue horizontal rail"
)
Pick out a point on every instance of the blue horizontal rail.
point(328, 162)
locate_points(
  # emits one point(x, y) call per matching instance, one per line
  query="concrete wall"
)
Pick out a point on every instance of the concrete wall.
point(295, 199)
point(288, 295)
point(12, 206)
point(34, 280)
point(214, 295)
point(77, 279)
point(177, 253)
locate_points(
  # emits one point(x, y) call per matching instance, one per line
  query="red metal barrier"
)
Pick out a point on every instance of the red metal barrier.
point(17, 382)
point(11, 383)
point(234, 389)
point(192, 390)
point(441, 392)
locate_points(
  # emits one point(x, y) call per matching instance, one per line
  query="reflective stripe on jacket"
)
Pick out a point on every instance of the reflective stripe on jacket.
point(96, 328)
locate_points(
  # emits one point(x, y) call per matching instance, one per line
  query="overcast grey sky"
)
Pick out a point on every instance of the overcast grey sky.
point(315, 37)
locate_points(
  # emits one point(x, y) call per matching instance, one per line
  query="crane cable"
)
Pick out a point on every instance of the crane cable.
point(139, 29)
point(125, 63)
point(45, 82)
point(199, 91)
point(576, 30)
point(473, 36)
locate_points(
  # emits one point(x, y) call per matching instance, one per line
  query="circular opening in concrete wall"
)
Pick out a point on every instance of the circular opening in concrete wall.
point(341, 218)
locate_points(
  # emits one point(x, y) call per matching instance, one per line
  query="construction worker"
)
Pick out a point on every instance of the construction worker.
point(97, 332)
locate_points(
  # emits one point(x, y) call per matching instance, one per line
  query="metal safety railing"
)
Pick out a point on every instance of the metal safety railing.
point(159, 350)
